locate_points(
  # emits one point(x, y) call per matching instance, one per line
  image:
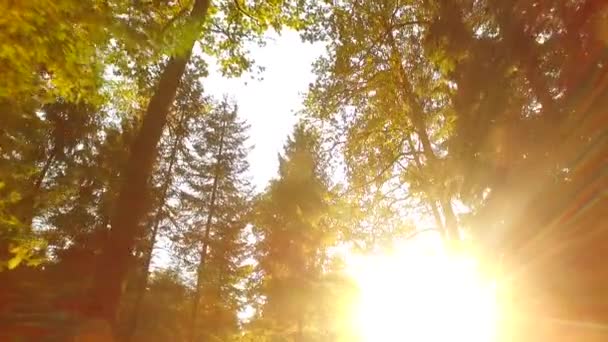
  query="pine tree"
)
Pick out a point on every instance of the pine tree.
point(292, 238)
point(214, 204)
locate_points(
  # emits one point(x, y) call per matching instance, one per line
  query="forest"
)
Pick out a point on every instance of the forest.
point(446, 179)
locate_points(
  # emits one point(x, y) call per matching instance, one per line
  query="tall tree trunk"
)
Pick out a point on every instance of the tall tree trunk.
point(140, 291)
point(417, 117)
point(131, 204)
point(210, 214)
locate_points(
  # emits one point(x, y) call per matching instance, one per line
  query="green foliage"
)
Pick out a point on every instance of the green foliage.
point(493, 107)
point(292, 223)
point(64, 53)
point(76, 77)
point(218, 195)
point(165, 308)
point(19, 246)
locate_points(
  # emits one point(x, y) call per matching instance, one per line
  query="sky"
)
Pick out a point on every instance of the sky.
point(269, 105)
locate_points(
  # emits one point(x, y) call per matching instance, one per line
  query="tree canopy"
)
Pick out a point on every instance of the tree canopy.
point(126, 204)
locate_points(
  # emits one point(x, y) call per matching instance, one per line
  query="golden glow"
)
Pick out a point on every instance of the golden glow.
point(423, 296)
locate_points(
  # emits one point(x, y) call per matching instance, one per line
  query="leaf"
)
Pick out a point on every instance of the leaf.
point(14, 262)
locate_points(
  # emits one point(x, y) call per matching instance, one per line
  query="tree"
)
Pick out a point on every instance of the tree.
point(55, 97)
point(397, 72)
point(236, 24)
point(164, 311)
point(371, 85)
point(483, 119)
point(289, 221)
point(70, 215)
point(130, 208)
point(215, 203)
point(190, 114)
point(52, 163)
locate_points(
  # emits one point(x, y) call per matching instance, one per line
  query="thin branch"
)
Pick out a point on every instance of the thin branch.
point(245, 12)
point(410, 23)
point(179, 15)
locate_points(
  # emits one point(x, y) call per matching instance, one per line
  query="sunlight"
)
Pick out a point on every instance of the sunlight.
point(423, 295)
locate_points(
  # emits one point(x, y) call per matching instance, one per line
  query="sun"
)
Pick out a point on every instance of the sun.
point(423, 295)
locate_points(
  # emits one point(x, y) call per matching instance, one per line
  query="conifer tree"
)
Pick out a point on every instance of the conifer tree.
point(214, 203)
point(293, 236)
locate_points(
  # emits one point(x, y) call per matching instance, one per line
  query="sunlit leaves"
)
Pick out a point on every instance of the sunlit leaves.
point(293, 223)
point(26, 252)
point(50, 49)
point(21, 245)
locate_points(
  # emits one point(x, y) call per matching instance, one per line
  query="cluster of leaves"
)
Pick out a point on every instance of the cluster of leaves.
point(295, 228)
point(72, 112)
point(21, 246)
point(481, 105)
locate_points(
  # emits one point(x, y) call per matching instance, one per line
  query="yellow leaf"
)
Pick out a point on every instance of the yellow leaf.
point(14, 262)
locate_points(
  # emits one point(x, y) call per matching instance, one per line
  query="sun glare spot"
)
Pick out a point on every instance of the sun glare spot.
point(421, 295)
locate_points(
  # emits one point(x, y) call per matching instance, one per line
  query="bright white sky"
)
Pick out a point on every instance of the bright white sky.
point(269, 105)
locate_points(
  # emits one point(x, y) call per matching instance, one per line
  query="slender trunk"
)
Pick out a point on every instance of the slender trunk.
point(203, 256)
point(451, 223)
point(437, 216)
point(141, 287)
point(25, 207)
point(130, 209)
point(45, 170)
point(431, 202)
point(417, 117)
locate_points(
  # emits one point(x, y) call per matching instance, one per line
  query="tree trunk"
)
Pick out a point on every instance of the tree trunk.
point(140, 291)
point(431, 201)
point(416, 115)
point(45, 170)
point(25, 207)
point(113, 262)
point(210, 213)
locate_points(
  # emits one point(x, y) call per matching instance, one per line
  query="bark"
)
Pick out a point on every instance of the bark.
point(45, 170)
point(210, 214)
point(141, 287)
point(115, 258)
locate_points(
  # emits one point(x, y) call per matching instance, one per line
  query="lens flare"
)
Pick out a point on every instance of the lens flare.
point(423, 296)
